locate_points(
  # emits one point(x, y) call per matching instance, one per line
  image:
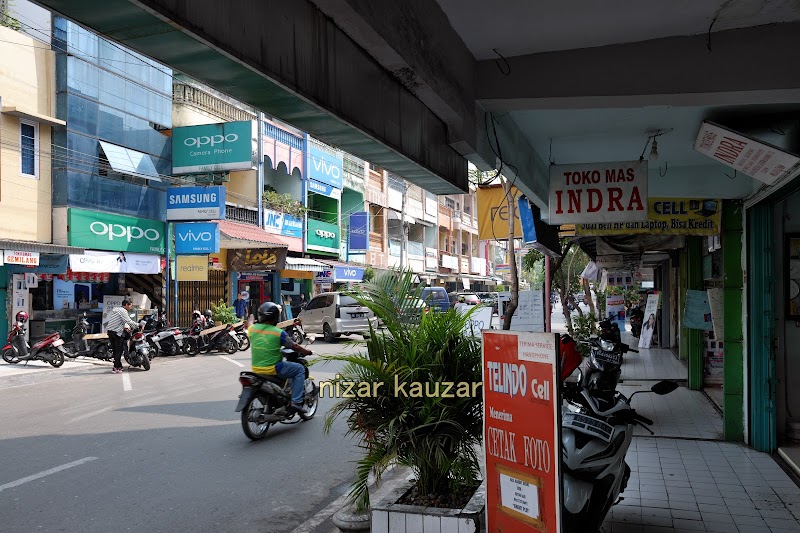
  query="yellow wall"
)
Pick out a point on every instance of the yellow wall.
point(27, 82)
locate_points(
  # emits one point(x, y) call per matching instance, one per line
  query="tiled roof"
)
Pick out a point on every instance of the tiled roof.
point(250, 233)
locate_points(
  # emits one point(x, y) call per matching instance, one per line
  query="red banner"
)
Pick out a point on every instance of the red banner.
point(521, 432)
point(77, 277)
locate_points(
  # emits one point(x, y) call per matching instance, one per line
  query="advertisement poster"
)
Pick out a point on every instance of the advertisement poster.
point(63, 294)
point(697, 312)
point(493, 213)
point(109, 303)
point(479, 320)
point(649, 324)
point(666, 216)
point(713, 360)
point(715, 304)
point(529, 315)
point(522, 416)
point(615, 308)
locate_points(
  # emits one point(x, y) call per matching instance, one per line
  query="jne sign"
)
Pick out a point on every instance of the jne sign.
point(598, 192)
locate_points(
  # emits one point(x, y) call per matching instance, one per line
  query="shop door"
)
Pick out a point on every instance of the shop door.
point(255, 290)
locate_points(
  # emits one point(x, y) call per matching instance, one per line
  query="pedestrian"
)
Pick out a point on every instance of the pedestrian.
point(302, 301)
point(120, 325)
point(240, 306)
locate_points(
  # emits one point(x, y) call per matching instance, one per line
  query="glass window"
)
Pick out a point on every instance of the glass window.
point(29, 148)
point(82, 115)
point(111, 125)
point(81, 43)
point(112, 90)
point(82, 78)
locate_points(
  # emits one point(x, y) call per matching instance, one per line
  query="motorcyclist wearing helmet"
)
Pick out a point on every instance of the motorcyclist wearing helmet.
point(266, 342)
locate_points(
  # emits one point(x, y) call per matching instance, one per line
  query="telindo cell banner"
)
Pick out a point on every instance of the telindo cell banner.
point(257, 259)
point(758, 160)
point(196, 203)
point(195, 238)
point(192, 268)
point(323, 236)
point(359, 232)
point(493, 213)
point(214, 147)
point(103, 231)
point(665, 216)
point(522, 418)
point(598, 192)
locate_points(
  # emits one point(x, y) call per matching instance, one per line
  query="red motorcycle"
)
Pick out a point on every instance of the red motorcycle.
point(50, 349)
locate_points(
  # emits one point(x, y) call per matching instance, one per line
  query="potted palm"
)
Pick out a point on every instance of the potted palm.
point(421, 406)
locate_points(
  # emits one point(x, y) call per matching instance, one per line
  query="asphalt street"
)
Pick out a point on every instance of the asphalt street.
point(85, 450)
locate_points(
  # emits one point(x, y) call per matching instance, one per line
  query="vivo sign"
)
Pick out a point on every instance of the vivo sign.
point(343, 274)
point(197, 238)
point(324, 167)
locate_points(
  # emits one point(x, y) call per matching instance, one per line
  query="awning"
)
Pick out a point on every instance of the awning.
point(35, 117)
point(303, 263)
point(44, 248)
point(235, 235)
point(391, 214)
point(131, 162)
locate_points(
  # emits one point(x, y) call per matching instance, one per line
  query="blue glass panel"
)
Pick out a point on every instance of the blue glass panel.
point(81, 42)
point(95, 192)
point(82, 77)
point(82, 115)
point(27, 144)
point(111, 126)
point(112, 90)
point(82, 153)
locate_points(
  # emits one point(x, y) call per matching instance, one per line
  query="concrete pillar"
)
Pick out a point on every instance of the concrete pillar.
point(694, 281)
point(732, 285)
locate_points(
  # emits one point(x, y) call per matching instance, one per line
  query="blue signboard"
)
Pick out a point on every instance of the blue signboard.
point(48, 264)
point(324, 167)
point(526, 220)
point(197, 238)
point(345, 274)
point(321, 188)
point(196, 203)
point(283, 224)
point(359, 232)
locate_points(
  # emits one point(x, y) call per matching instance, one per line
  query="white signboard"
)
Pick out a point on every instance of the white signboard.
point(480, 319)
point(598, 192)
point(519, 495)
point(115, 263)
point(609, 261)
point(17, 257)
point(529, 315)
point(758, 160)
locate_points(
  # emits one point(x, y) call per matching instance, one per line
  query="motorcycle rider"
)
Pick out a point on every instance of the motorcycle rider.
point(266, 342)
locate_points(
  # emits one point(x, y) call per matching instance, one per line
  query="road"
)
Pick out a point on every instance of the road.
point(86, 450)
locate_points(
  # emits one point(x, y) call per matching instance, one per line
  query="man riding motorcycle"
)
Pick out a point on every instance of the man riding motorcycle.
point(266, 342)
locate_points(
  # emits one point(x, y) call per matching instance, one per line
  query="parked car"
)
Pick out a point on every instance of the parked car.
point(436, 298)
point(489, 299)
point(334, 314)
point(470, 298)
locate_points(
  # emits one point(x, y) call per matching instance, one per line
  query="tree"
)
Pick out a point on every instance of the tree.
point(511, 307)
point(6, 19)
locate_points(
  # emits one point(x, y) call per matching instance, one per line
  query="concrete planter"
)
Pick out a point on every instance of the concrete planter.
point(391, 517)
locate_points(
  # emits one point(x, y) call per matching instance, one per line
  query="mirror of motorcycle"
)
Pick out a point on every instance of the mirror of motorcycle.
point(310, 339)
point(664, 387)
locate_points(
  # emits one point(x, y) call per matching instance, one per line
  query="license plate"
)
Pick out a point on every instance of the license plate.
point(358, 315)
point(58, 342)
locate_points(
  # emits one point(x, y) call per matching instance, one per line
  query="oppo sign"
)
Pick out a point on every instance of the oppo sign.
point(324, 234)
point(115, 231)
point(211, 140)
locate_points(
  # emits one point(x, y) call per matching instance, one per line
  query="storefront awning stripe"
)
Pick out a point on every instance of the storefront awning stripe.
point(302, 263)
point(45, 248)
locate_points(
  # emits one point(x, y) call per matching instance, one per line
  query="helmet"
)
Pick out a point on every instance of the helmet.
point(22, 316)
point(269, 313)
point(207, 313)
point(195, 313)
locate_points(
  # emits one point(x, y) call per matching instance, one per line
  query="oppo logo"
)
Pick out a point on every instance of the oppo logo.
point(324, 234)
point(211, 140)
point(128, 233)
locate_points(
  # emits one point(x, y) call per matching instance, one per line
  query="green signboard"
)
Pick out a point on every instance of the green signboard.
point(323, 237)
point(102, 231)
point(214, 147)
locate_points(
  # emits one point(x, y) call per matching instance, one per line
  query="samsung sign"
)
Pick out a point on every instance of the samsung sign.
point(214, 147)
point(197, 238)
point(196, 203)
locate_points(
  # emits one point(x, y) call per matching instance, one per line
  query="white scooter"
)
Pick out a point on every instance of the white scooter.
point(597, 428)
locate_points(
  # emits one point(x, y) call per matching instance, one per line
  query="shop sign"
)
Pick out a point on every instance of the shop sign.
point(464, 265)
point(430, 258)
point(196, 203)
point(214, 147)
point(197, 238)
point(323, 189)
point(192, 268)
point(449, 261)
point(347, 274)
point(522, 434)
point(758, 160)
point(665, 216)
point(529, 315)
point(19, 257)
point(325, 276)
point(115, 263)
point(493, 213)
point(479, 319)
point(324, 167)
point(103, 231)
point(598, 192)
point(256, 259)
point(282, 224)
point(322, 236)
point(359, 232)
point(48, 264)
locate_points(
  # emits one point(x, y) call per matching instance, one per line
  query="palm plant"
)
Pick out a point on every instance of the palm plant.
point(404, 423)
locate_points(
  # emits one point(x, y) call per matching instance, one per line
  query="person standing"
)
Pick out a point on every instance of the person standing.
point(240, 306)
point(118, 322)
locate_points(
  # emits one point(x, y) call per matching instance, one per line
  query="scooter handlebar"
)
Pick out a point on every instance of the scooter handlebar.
point(643, 419)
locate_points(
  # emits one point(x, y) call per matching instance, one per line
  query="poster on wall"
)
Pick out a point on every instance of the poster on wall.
point(649, 321)
point(793, 275)
point(615, 308)
point(715, 303)
point(697, 312)
point(109, 303)
point(63, 294)
point(713, 359)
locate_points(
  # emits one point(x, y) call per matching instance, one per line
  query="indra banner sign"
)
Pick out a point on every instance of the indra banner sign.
point(666, 216)
point(323, 237)
point(598, 192)
point(102, 231)
point(196, 203)
point(522, 416)
point(214, 147)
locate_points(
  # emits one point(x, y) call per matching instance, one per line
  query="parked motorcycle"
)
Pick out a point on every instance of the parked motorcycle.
point(603, 367)
point(637, 319)
point(139, 350)
point(241, 333)
point(85, 344)
point(163, 339)
point(266, 400)
point(597, 428)
point(609, 330)
point(50, 349)
point(220, 338)
point(295, 331)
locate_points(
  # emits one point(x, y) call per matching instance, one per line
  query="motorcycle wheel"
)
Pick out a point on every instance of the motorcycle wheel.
point(254, 408)
point(231, 346)
point(102, 352)
point(190, 347)
point(244, 342)
point(58, 358)
point(298, 337)
point(9, 357)
point(146, 362)
point(310, 404)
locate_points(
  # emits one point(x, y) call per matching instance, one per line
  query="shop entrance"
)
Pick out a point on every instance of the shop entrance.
point(258, 291)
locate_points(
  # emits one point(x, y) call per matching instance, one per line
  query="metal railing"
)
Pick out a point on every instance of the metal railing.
point(283, 136)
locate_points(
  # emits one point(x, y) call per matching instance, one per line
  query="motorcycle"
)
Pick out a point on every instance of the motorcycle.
point(241, 334)
point(163, 339)
point(597, 428)
point(609, 330)
point(266, 400)
point(139, 350)
point(50, 349)
point(603, 367)
point(637, 319)
point(222, 338)
point(97, 346)
point(294, 328)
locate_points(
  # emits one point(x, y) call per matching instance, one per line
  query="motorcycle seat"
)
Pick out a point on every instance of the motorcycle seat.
point(266, 377)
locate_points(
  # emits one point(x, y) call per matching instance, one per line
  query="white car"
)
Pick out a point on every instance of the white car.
point(334, 314)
